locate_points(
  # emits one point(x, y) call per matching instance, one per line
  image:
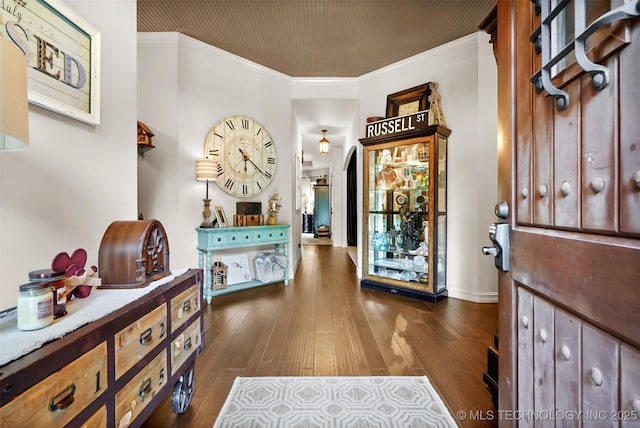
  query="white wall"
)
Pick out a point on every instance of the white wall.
point(191, 86)
point(75, 179)
point(466, 75)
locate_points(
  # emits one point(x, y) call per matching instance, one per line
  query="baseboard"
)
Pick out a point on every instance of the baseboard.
point(477, 297)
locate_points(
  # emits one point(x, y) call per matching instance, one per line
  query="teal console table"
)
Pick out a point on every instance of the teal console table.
point(224, 238)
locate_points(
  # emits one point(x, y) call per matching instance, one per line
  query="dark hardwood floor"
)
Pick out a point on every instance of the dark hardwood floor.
point(324, 324)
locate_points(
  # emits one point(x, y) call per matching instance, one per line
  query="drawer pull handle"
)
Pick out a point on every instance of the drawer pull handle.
point(63, 400)
point(146, 336)
point(525, 321)
point(186, 306)
point(145, 388)
point(187, 344)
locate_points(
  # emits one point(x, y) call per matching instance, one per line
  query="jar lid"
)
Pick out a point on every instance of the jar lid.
point(34, 286)
point(36, 275)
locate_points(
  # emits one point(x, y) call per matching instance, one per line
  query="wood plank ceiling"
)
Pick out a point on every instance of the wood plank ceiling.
point(317, 38)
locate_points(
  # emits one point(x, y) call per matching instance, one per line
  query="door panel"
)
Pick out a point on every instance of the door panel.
point(525, 353)
point(567, 162)
point(542, 160)
point(629, 386)
point(543, 361)
point(600, 356)
point(599, 154)
point(524, 134)
point(567, 360)
point(630, 139)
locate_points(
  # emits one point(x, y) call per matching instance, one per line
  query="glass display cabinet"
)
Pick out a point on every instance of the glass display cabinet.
point(405, 210)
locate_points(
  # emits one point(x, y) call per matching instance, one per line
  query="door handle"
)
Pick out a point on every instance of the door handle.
point(499, 236)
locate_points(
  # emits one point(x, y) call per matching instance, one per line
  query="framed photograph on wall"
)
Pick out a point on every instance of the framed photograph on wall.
point(409, 101)
point(63, 56)
point(220, 216)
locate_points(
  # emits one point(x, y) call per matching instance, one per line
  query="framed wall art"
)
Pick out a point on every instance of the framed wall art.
point(409, 101)
point(63, 56)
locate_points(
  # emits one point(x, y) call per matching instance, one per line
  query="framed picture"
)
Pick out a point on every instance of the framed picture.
point(220, 216)
point(237, 268)
point(63, 56)
point(409, 101)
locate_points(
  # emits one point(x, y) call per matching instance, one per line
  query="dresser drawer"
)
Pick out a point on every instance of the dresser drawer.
point(97, 420)
point(61, 396)
point(184, 345)
point(139, 338)
point(140, 390)
point(184, 305)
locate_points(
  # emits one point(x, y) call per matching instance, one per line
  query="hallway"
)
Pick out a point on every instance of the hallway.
point(324, 324)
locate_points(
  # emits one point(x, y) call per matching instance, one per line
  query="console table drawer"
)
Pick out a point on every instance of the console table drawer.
point(185, 345)
point(184, 305)
point(139, 338)
point(140, 390)
point(61, 396)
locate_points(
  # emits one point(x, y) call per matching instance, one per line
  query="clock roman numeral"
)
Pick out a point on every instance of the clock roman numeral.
point(259, 131)
point(268, 144)
point(245, 189)
point(218, 135)
point(214, 152)
point(272, 161)
point(230, 125)
point(220, 170)
point(267, 174)
point(259, 186)
point(245, 123)
point(229, 183)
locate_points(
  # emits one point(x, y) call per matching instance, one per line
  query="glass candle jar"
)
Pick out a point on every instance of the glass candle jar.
point(35, 306)
point(56, 280)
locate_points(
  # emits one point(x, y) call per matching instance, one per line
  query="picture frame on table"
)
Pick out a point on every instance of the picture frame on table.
point(221, 217)
point(409, 101)
point(63, 57)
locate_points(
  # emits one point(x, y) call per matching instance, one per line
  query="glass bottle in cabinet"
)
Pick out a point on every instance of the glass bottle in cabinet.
point(405, 213)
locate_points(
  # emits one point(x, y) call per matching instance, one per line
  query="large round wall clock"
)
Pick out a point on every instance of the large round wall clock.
point(245, 153)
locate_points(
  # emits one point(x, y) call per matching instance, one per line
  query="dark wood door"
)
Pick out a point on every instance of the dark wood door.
point(570, 304)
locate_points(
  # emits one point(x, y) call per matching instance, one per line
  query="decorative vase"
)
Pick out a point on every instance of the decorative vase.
point(272, 219)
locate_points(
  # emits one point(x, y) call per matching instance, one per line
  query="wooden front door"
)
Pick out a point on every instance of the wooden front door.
point(569, 169)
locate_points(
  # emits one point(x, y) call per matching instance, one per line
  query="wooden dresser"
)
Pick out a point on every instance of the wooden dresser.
point(115, 370)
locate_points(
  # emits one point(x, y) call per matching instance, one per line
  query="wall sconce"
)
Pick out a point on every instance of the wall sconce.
point(14, 103)
point(324, 144)
point(206, 170)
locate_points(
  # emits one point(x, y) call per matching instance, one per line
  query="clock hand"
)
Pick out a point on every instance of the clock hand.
point(256, 167)
point(246, 158)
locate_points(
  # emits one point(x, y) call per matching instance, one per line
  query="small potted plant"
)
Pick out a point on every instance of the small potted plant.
point(274, 208)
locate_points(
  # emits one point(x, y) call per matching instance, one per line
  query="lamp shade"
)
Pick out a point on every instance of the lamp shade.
point(14, 103)
point(324, 144)
point(206, 170)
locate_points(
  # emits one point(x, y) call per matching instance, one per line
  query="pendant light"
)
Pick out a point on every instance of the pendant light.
point(324, 144)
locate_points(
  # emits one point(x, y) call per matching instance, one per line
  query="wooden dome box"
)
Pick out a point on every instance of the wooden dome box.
point(133, 253)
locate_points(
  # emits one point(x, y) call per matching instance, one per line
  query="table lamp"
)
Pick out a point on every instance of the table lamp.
point(206, 170)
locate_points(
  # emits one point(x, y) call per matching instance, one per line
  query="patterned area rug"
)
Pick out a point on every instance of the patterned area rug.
point(378, 401)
